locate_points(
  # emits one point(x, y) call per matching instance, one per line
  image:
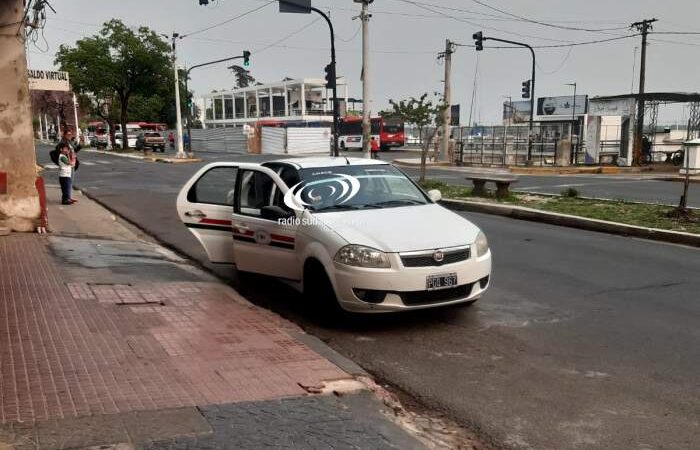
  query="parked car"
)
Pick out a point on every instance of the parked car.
point(150, 140)
point(131, 140)
point(352, 233)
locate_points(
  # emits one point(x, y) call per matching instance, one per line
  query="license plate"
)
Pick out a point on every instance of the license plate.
point(440, 281)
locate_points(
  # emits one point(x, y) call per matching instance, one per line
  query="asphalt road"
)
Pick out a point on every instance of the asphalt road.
point(585, 340)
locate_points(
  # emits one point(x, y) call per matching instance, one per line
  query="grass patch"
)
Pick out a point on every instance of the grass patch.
point(645, 215)
point(461, 192)
point(653, 216)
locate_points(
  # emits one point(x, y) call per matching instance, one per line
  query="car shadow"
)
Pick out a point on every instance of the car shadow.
point(270, 293)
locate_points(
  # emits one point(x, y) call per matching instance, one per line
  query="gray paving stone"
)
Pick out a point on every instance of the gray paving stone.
point(319, 422)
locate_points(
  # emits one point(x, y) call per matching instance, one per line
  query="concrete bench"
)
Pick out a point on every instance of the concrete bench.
point(502, 182)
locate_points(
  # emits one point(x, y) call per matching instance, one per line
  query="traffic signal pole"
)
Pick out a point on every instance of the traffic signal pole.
point(244, 56)
point(480, 37)
point(336, 112)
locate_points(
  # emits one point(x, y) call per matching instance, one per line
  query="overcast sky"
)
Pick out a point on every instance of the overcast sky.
point(405, 37)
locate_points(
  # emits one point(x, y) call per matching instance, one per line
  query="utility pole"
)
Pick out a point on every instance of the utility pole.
point(178, 113)
point(573, 120)
point(19, 200)
point(643, 27)
point(366, 125)
point(447, 94)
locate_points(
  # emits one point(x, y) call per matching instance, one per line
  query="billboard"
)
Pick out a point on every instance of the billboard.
point(616, 107)
point(48, 80)
point(562, 106)
point(516, 112)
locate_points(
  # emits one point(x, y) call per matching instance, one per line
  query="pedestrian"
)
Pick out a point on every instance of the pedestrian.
point(65, 173)
point(171, 140)
point(374, 148)
point(74, 147)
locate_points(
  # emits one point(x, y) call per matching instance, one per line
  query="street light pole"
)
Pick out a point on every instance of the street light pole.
point(574, 157)
point(178, 114)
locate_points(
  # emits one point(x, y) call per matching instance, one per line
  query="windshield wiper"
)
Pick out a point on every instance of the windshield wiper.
point(345, 206)
point(398, 202)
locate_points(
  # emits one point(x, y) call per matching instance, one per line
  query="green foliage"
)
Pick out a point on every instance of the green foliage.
point(243, 77)
point(570, 192)
point(115, 65)
point(423, 113)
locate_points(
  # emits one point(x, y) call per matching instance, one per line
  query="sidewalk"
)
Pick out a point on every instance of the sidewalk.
point(107, 338)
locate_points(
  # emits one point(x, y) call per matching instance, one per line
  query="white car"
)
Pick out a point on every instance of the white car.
point(354, 233)
point(131, 140)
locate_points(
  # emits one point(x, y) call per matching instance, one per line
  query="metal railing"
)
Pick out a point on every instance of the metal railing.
point(508, 145)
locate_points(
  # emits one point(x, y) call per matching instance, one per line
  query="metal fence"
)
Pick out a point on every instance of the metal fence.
point(508, 145)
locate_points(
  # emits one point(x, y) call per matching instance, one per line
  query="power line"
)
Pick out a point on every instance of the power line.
point(666, 41)
point(572, 44)
point(422, 6)
point(293, 33)
point(545, 24)
point(227, 20)
point(293, 47)
point(675, 32)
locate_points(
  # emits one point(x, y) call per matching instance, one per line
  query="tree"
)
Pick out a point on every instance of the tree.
point(243, 76)
point(425, 115)
point(116, 65)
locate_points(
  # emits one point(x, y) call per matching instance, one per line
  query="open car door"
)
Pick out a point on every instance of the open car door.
point(205, 205)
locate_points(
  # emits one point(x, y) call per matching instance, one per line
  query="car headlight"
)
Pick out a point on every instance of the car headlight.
point(361, 256)
point(482, 244)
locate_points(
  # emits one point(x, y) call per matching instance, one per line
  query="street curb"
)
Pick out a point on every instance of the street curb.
point(404, 163)
point(146, 158)
point(535, 215)
point(678, 179)
point(345, 364)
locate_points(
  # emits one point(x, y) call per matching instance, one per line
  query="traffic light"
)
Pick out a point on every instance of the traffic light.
point(246, 58)
point(478, 41)
point(526, 88)
point(330, 76)
point(189, 100)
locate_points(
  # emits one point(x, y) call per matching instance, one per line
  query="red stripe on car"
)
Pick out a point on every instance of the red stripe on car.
point(216, 221)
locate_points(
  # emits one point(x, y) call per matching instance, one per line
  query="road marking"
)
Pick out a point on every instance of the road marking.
point(88, 163)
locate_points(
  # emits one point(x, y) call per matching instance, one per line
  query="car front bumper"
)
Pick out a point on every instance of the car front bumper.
point(405, 287)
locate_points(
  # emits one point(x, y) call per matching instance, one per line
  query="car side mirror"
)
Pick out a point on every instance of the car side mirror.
point(275, 212)
point(435, 195)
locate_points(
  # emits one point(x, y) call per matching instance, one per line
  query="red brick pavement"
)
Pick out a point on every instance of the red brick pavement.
point(69, 349)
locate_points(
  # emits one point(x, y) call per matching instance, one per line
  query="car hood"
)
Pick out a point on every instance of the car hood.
point(401, 229)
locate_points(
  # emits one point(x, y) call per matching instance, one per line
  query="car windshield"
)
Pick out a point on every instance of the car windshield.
point(356, 187)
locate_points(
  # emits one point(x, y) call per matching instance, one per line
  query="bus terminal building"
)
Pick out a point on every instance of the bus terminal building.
point(304, 101)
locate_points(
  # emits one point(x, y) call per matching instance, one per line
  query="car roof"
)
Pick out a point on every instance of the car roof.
point(326, 161)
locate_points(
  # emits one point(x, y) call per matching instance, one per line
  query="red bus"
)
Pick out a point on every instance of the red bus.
point(389, 132)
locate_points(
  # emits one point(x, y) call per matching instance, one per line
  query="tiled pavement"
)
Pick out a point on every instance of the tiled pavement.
point(78, 349)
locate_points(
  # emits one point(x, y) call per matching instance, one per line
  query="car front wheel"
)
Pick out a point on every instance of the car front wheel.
point(319, 292)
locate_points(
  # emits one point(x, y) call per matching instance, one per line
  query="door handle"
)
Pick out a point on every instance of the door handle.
point(241, 226)
point(195, 213)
